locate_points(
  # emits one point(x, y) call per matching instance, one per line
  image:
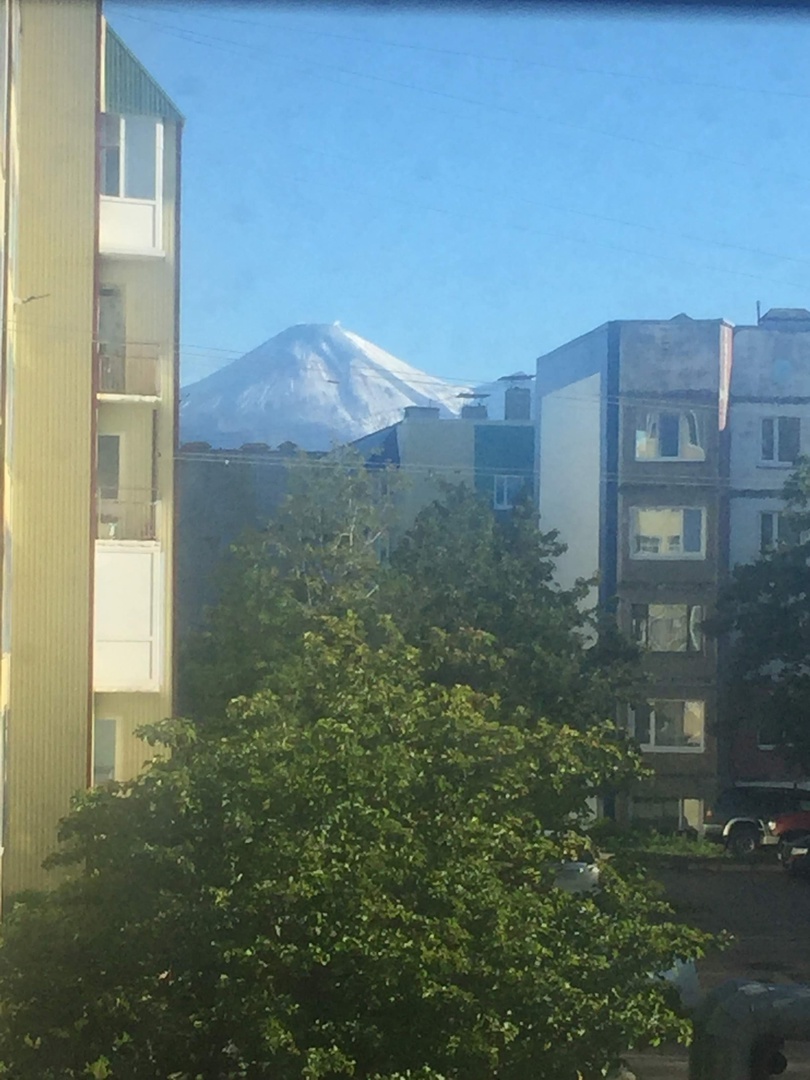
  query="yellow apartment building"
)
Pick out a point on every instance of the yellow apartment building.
point(88, 406)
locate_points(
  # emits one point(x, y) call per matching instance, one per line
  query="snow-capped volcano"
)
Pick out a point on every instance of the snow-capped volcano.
point(314, 385)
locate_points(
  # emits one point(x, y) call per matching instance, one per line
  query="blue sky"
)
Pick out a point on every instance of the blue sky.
point(469, 190)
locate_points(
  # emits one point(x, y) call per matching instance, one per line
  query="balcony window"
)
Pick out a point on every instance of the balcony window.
point(667, 533)
point(669, 726)
point(128, 156)
point(507, 491)
point(668, 627)
point(781, 440)
point(131, 183)
point(668, 436)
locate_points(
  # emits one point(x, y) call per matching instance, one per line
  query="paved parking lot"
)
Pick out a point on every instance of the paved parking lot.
point(769, 915)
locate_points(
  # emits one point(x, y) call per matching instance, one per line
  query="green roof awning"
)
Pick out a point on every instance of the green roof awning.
point(129, 89)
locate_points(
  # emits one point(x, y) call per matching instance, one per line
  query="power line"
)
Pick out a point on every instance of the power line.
point(590, 242)
point(216, 41)
point(591, 215)
point(467, 55)
point(235, 457)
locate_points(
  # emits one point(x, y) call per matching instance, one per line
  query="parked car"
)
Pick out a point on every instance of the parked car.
point(741, 816)
point(794, 856)
point(791, 824)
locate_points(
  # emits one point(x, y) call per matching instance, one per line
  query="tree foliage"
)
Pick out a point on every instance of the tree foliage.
point(346, 865)
point(460, 570)
point(318, 555)
point(356, 881)
point(765, 611)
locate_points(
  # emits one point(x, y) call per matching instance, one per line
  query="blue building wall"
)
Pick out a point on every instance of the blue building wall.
point(503, 448)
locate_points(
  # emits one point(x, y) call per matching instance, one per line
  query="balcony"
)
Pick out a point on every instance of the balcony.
point(130, 515)
point(129, 372)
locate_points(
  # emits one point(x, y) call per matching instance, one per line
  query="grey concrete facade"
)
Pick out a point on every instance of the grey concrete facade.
point(655, 396)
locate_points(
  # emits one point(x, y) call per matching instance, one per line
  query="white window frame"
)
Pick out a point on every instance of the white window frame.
point(122, 164)
point(687, 418)
point(667, 556)
point(650, 746)
point(155, 203)
point(501, 499)
point(775, 462)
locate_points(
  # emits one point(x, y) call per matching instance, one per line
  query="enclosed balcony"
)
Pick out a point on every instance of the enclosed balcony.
point(129, 372)
point(127, 515)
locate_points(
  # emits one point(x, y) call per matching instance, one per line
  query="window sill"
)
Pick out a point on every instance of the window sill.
point(133, 253)
point(664, 460)
point(683, 557)
point(673, 749)
point(776, 465)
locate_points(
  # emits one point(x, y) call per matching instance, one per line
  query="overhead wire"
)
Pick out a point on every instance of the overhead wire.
point(466, 54)
point(589, 241)
point(217, 41)
point(322, 460)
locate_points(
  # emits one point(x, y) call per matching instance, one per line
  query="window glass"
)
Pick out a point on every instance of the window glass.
point(669, 725)
point(507, 491)
point(669, 435)
point(667, 627)
point(767, 439)
point(139, 157)
point(666, 532)
point(677, 724)
point(768, 530)
point(692, 530)
point(781, 439)
point(696, 628)
point(109, 453)
point(789, 438)
point(110, 154)
point(104, 746)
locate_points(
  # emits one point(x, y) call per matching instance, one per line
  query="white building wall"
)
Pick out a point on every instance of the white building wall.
point(569, 474)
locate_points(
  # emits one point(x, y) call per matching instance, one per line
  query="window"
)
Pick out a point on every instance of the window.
point(104, 748)
point(777, 528)
point(507, 490)
point(668, 435)
point(109, 455)
point(129, 156)
point(668, 627)
point(669, 726)
point(781, 439)
point(668, 813)
point(667, 533)
point(112, 339)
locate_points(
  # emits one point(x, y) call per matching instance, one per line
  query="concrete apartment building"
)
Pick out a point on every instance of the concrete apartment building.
point(490, 447)
point(88, 369)
point(632, 469)
point(769, 428)
point(663, 448)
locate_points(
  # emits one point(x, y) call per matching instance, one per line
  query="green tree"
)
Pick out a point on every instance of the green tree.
point(461, 571)
point(765, 611)
point(318, 555)
point(357, 879)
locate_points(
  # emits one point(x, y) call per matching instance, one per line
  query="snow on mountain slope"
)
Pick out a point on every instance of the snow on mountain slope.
point(314, 385)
